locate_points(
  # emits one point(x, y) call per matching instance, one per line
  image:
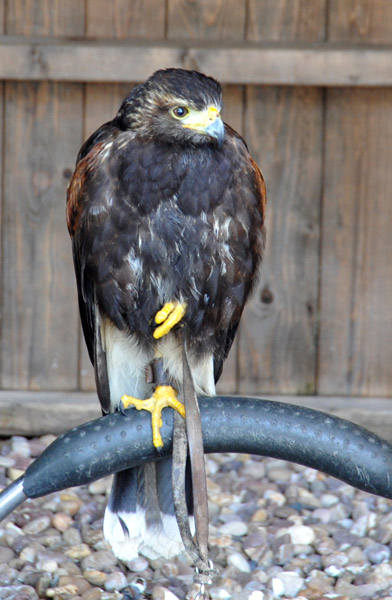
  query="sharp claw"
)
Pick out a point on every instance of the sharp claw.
point(169, 316)
point(121, 408)
point(164, 395)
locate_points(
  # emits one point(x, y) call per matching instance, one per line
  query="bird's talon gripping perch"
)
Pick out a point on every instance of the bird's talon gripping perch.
point(164, 395)
point(167, 317)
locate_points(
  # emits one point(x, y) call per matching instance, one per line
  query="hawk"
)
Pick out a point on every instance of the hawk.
point(165, 210)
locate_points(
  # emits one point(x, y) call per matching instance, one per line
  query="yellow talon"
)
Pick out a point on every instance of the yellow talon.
point(164, 395)
point(167, 317)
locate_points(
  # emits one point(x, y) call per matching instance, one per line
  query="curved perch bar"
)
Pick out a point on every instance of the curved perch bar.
point(230, 424)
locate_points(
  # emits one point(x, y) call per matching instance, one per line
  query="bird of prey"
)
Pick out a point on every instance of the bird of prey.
point(165, 210)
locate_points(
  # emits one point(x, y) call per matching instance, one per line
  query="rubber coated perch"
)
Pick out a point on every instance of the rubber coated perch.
point(230, 424)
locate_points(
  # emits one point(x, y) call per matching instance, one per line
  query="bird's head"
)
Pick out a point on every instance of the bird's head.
point(175, 106)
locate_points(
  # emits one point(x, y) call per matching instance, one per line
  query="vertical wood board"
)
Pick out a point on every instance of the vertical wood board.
point(278, 331)
point(39, 328)
point(125, 19)
point(216, 20)
point(356, 270)
point(286, 20)
point(42, 128)
point(2, 9)
point(61, 18)
point(360, 21)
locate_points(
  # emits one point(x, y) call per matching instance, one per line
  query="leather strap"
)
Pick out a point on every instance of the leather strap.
point(196, 453)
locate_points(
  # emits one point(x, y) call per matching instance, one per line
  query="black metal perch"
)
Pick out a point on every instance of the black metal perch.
point(230, 424)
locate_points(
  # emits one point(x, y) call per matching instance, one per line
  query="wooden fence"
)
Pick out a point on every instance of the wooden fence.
point(309, 85)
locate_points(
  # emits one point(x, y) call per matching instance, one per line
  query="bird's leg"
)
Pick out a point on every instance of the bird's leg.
point(163, 395)
point(169, 315)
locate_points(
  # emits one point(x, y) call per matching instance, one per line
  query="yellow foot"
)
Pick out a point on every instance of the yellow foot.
point(167, 317)
point(164, 395)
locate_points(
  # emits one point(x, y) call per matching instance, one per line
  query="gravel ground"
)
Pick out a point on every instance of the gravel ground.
point(277, 530)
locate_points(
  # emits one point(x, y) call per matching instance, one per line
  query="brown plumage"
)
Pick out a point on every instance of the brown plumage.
point(165, 205)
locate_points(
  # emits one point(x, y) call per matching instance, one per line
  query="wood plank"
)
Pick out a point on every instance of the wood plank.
point(32, 413)
point(118, 62)
point(360, 21)
point(39, 326)
point(45, 17)
point(125, 19)
point(286, 20)
point(2, 9)
point(356, 270)
point(43, 122)
point(283, 127)
point(215, 20)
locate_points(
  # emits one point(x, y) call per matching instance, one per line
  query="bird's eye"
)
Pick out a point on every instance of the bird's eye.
point(180, 112)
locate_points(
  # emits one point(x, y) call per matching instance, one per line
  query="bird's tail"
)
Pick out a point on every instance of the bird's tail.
point(140, 515)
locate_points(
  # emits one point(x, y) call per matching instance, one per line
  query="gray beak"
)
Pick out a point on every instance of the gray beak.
point(216, 129)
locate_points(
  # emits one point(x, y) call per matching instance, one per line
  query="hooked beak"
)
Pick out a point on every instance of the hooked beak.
point(208, 122)
point(216, 129)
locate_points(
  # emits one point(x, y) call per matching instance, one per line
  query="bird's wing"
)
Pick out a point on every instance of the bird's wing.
point(251, 186)
point(77, 196)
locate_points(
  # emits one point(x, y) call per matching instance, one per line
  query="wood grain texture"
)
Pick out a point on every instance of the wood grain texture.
point(2, 8)
point(215, 20)
point(114, 62)
point(42, 132)
point(60, 18)
point(286, 20)
point(39, 327)
point(124, 19)
point(278, 333)
point(360, 21)
point(356, 270)
point(30, 413)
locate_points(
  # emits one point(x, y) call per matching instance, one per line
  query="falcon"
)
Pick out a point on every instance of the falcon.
point(165, 210)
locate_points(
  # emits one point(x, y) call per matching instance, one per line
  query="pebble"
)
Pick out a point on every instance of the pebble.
point(161, 593)
point(238, 561)
point(7, 461)
point(78, 552)
point(6, 554)
point(115, 581)
point(137, 564)
point(301, 534)
point(92, 594)
point(377, 553)
point(62, 592)
point(100, 560)
point(101, 486)
point(7, 574)
point(18, 592)
point(14, 474)
point(94, 577)
point(291, 582)
point(62, 521)
point(235, 528)
point(36, 525)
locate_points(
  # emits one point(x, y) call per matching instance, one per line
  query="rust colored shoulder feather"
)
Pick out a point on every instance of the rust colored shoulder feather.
point(74, 204)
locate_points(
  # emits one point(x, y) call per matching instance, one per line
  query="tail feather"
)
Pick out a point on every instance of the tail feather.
point(140, 516)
